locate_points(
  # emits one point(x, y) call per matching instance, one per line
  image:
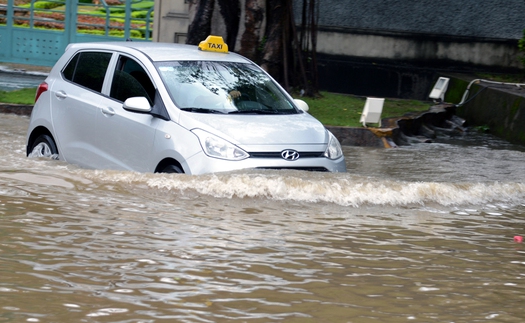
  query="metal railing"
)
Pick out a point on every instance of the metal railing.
point(43, 29)
point(103, 17)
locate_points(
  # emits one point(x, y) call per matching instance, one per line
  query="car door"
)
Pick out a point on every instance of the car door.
point(127, 136)
point(76, 100)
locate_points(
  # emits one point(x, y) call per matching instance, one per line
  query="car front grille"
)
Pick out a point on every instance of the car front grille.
point(314, 154)
point(302, 155)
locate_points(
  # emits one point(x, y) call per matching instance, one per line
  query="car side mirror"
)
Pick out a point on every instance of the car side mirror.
point(301, 105)
point(137, 104)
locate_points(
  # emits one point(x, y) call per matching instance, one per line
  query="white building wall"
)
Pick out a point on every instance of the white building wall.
point(171, 21)
point(409, 47)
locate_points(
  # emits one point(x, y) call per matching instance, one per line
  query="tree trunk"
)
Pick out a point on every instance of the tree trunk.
point(230, 11)
point(273, 49)
point(314, 14)
point(254, 16)
point(200, 23)
point(307, 48)
point(298, 69)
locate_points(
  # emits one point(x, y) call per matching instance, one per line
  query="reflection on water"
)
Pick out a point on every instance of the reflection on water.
point(421, 233)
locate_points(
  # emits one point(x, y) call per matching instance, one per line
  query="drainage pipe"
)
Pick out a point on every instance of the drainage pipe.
point(477, 81)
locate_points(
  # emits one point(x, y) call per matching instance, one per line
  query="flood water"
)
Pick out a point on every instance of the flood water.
point(421, 233)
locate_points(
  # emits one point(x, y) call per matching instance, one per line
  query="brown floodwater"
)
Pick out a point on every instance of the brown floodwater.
point(422, 233)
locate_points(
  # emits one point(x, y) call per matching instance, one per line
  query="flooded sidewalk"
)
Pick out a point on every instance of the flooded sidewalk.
point(18, 76)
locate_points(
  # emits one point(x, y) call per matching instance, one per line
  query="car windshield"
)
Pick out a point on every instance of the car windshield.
point(223, 87)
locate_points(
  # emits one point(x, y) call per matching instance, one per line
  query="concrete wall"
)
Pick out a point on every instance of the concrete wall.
point(501, 110)
point(435, 49)
point(171, 21)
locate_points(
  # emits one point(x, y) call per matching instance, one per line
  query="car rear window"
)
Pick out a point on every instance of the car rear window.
point(88, 69)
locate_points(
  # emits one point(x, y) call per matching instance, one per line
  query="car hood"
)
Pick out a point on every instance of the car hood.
point(290, 129)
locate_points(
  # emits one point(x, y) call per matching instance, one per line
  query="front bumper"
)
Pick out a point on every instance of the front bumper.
point(201, 164)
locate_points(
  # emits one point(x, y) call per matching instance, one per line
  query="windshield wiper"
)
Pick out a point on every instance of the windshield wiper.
point(256, 111)
point(202, 110)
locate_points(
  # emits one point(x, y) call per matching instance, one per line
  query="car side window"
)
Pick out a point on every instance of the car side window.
point(88, 69)
point(131, 80)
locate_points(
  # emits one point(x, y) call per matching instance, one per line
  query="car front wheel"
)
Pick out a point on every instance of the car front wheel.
point(44, 146)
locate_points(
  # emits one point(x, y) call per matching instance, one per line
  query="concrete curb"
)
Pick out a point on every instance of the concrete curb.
point(363, 137)
point(19, 109)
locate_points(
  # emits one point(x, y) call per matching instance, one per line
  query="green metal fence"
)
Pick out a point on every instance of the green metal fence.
point(38, 32)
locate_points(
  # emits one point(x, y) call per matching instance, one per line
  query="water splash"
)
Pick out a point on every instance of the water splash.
point(341, 189)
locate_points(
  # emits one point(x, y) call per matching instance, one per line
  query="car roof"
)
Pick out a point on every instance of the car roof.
point(158, 52)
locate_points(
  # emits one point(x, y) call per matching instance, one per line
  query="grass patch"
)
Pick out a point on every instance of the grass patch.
point(345, 110)
point(22, 96)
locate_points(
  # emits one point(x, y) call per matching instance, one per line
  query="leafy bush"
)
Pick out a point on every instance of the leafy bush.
point(143, 14)
point(121, 9)
point(48, 4)
point(144, 5)
point(116, 33)
point(114, 10)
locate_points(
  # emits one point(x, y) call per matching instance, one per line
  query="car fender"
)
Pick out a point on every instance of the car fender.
point(175, 142)
point(40, 117)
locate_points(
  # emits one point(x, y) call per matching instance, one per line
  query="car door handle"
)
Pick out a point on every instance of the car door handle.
point(108, 111)
point(61, 95)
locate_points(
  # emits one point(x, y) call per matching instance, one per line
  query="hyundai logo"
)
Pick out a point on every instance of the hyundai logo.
point(289, 154)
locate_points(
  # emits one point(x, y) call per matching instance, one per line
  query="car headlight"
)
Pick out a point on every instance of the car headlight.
point(333, 151)
point(217, 147)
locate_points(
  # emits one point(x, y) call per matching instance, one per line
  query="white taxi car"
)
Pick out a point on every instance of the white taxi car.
point(154, 107)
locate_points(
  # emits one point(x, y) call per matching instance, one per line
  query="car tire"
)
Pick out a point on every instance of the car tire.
point(172, 169)
point(46, 147)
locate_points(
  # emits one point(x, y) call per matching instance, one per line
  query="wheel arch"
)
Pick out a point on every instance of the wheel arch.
point(40, 130)
point(166, 162)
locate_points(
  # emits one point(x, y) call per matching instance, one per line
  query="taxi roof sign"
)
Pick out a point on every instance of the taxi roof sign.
point(213, 44)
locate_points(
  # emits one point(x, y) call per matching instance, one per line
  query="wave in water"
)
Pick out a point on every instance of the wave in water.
point(342, 189)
